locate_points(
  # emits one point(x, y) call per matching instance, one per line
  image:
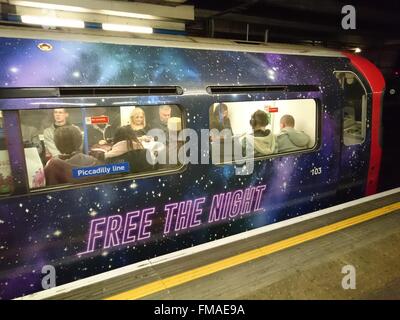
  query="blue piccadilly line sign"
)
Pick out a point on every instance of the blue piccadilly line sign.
point(107, 169)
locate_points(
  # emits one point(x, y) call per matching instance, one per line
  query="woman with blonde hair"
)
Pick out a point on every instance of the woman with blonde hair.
point(138, 122)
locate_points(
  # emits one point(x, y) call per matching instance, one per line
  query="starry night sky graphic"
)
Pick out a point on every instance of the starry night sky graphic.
point(50, 228)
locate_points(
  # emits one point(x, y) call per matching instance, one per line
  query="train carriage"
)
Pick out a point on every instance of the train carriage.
point(84, 227)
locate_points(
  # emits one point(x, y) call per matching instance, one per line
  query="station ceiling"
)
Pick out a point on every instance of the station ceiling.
point(295, 21)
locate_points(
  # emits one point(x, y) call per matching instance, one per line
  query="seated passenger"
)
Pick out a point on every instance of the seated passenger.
point(60, 120)
point(138, 122)
point(290, 139)
point(161, 122)
point(68, 140)
point(221, 121)
point(128, 148)
point(99, 134)
point(262, 140)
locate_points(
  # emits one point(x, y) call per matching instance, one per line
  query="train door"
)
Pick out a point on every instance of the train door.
point(354, 124)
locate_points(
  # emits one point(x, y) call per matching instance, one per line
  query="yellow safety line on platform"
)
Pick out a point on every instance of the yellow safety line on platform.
point(211, 268)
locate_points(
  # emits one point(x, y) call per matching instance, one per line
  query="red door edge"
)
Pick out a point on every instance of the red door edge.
point(377, 83)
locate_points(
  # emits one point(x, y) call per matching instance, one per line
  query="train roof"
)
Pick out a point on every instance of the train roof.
point(160, 40)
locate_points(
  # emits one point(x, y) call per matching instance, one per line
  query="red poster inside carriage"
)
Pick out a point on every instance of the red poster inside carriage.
point(271, 109)
point(97, 120)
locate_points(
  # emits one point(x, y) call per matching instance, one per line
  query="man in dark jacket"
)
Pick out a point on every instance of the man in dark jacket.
point(161, 122)
point(100, 134)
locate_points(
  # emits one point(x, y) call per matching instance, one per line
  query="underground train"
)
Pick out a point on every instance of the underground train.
point(67, 209)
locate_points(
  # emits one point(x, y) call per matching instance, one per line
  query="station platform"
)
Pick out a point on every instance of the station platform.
point(303, 259)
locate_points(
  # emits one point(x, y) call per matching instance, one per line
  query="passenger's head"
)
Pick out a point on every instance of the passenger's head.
point(259, 120)
point(287, 121)
point(60, 116)
point(138, 118)
point(165, 113)
point(96, 112)
point(124, 134)
point(68, 139)
point(221, 111)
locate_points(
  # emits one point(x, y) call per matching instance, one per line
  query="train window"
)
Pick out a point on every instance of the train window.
point(6, 180)
point(355, 108)
point(76, 145)
point(261, 128)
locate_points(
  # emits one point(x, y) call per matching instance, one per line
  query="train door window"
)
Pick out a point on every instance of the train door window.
point(6, 180)
point(267, 127)
point(354, 109)
point(77, 145)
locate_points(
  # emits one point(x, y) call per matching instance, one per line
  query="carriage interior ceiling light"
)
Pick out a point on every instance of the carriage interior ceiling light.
point(52, 21)
point(112, 8)
point(126, 28)
point(49, 6)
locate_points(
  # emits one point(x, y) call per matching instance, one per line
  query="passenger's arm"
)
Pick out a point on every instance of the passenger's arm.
point(49, 143)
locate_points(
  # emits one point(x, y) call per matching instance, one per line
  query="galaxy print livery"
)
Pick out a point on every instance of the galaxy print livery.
point(83, 230)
